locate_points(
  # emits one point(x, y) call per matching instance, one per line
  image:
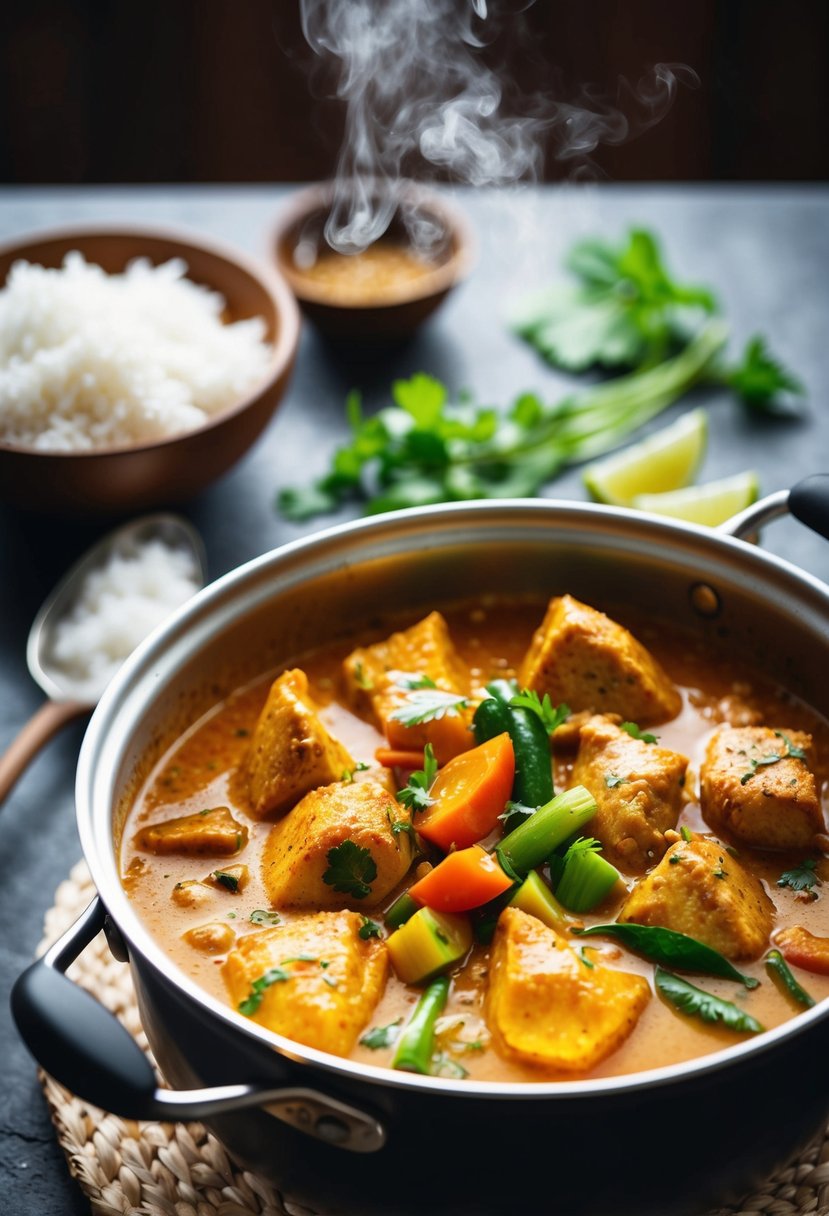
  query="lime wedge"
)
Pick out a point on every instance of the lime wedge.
point(712, 503)
point(664, 461)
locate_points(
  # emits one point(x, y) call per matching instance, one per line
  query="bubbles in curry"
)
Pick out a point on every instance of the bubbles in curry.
point(484, 846)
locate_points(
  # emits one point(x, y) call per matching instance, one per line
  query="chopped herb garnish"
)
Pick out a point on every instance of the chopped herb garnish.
point(686, 834)
point(403, 825)
point(583, 956)
point(382, 1036)
point(229, 881)
point(369, 928)
point(801, 878)
point(697, 1003)
point(351, 869)
point(675, 859)
point(718, 870)
point(274, 975)
point(790, 752)
point(410, 681)
point(415, 794)
point(444, 1066)
point(429, 705)
point(264, 916)
point(612, 780)
point(552, 716)
point(635, 733)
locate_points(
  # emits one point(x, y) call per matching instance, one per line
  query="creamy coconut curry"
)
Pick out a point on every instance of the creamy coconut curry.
point(504, 842)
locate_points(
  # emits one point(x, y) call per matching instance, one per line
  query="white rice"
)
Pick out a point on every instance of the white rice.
point(119, 604)
point(90, 360)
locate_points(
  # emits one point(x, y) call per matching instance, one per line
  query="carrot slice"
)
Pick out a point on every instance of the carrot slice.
point(463, 880)
point(801, 948)
point(469, 793)
point(398, 757)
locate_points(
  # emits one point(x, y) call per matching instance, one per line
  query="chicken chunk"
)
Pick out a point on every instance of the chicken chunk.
point(313, 980)
point(768, 802)
point(354, 818)
point(290, 752)
point(583, 658)
point(544, 1006)
point(700, 889)
point(210, 833)
point(638, 789)
point(424, 650)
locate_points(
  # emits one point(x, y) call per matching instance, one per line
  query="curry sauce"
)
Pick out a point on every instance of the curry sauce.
point(206, 769)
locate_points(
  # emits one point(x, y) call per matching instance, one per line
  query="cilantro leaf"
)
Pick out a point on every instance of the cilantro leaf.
point(790, 752)
point(382, 1036)
point(351, 869)
point(762, 382)
point(227, 880)
point(368, 929)
point(613, 780)
point(274, 975)
point(801, 878)
point(551, 716)
point(409, 681)
point(624, 310)
point(636, 733)
point(415, 794)
point(429, 705)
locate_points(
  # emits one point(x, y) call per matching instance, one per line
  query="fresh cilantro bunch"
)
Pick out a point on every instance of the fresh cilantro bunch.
point(625, 311)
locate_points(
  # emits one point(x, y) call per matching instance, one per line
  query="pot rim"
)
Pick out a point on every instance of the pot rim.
point(103, 862)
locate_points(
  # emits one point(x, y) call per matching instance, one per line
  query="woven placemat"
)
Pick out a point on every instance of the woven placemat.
point(165, 1169)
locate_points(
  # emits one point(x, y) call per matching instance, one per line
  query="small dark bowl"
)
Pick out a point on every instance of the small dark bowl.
point(380, 319)
point(110, 481)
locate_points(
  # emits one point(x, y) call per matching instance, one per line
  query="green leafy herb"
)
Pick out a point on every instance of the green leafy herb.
point(443, 1065)
point(415, 793)
point(408, 456)
point(429, 705)
point(348, 773)
point(274, 975)
point(403, 825)
point(686, 834)
point(264, 916)
point(551, 715)
point(719, 871)
point(635, 733)
point(513, 814)
point(778, 969)
point(790, 751)
point(613, 780)
point(801, 878)
point(624, 310)
point(697, 1003)
point(762, 382)
point(382, 1036)
point(668, 946)
point(351, 869)
point(368, 929)
point(408, 681)
point(229, 881)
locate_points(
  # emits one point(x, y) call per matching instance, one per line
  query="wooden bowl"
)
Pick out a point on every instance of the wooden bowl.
point(126, 479)
point(373, 320)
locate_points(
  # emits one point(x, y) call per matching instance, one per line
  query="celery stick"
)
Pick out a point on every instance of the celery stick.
point(416, 1043)
point(586, 878)
point(533, 841)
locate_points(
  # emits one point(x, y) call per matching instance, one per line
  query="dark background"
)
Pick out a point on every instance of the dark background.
point(218, 90)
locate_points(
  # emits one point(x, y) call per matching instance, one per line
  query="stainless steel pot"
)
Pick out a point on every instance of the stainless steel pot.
point(349, 1138)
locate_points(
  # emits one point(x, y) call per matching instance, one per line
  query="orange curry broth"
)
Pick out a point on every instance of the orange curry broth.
point(200, 771)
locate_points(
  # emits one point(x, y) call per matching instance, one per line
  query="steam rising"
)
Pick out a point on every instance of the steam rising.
point(417, 90)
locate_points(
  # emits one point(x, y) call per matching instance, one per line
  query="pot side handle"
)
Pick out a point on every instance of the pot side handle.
point(808, 502)
point(84, 1047)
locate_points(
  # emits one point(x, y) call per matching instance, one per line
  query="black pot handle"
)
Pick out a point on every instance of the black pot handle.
point(808, 502)
point(85, 1048)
